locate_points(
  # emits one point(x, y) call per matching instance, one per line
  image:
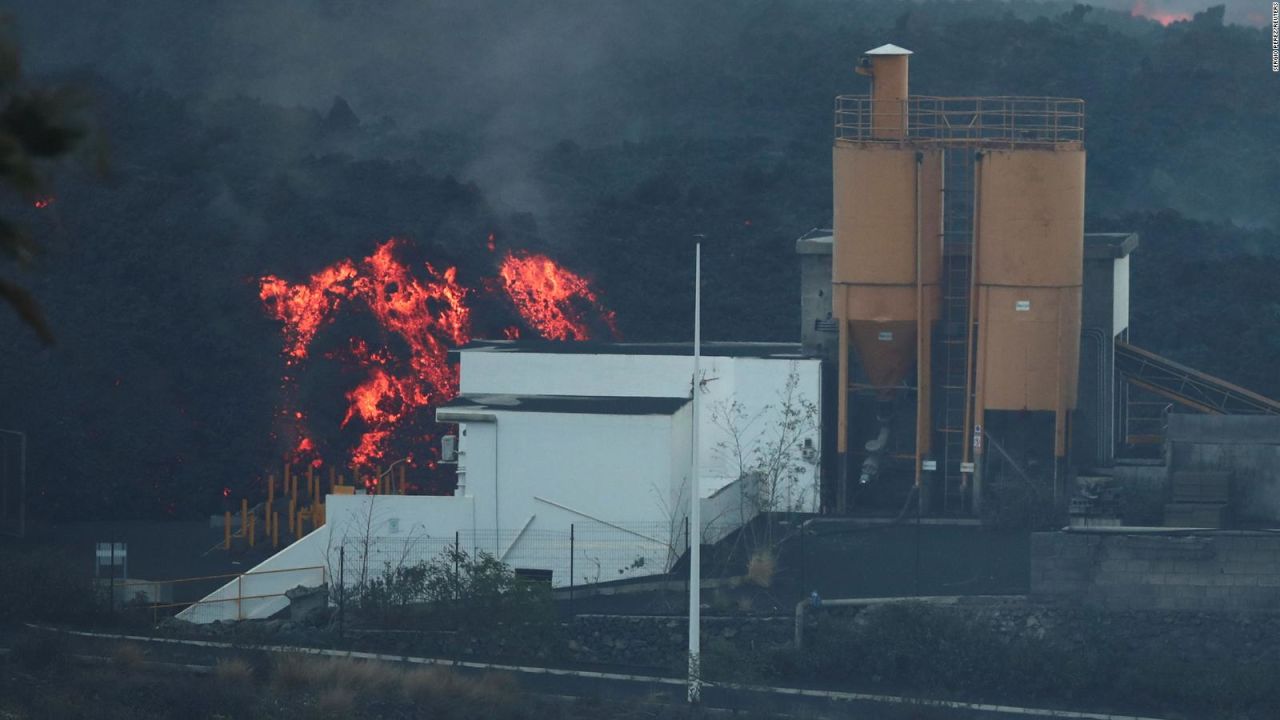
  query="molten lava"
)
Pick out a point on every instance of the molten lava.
point(551, 299)
point(428, 315)
point(426, 312)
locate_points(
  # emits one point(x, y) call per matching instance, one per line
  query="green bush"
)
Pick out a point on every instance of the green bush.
point(47, 584)
point(488, 609)
point(39, 651)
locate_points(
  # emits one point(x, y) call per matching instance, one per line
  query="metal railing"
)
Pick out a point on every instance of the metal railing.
point(985, 121)
point(167, 607)
point(1188, 387)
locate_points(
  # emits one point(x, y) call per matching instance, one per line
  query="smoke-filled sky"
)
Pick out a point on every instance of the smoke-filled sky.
point(1243, 12)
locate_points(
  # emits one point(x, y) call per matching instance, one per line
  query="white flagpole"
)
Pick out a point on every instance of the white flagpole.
point(695, 520)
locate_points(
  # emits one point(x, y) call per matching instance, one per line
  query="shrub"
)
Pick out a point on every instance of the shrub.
point(127, 657)
point(47, 584)
point(38, 651)
point(760, 568)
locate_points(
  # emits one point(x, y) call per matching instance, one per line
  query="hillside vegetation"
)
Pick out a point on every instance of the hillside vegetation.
point(604, 134)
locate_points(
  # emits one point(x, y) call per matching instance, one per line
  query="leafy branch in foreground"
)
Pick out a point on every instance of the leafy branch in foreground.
point(38, 126)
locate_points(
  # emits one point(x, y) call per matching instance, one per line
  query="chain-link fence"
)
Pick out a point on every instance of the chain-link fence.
point(583, 553)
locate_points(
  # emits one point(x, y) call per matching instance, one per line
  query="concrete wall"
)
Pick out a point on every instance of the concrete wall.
point(814, 253)
point(753, 382)
point(1215, 571)
point(1247, 446)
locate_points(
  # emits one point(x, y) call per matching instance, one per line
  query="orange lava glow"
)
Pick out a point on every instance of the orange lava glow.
point(1165, 18)
point(428, 315)
point(551, 299)
point(422, 313)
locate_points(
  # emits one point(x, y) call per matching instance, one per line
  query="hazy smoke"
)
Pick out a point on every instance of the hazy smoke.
point(1242, 12)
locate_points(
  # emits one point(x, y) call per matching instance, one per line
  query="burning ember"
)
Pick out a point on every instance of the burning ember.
point(44, 202)
point(425, 312)
point(551, 299)
point(1166, 18)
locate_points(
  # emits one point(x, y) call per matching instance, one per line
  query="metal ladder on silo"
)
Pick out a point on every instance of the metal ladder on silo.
point(956, 366)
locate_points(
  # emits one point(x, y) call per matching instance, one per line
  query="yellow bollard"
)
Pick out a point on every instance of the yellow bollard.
point(253, 529)
point(271, 489)
point(297, 525)
point(292, 504)
point(311, 483)
point(226, 530)
point(332, 472)
point(275, 530)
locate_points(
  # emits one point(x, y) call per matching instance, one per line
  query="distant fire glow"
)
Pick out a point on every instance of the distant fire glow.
point(44, 202)
point(551, 299)
point(423, 312)
point(1143, 9)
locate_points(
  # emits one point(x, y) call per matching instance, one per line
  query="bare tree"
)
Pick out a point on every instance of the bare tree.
point(770, 453)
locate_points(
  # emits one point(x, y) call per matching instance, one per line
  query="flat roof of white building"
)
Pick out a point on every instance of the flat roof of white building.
point(710, 349)
point(575, 404)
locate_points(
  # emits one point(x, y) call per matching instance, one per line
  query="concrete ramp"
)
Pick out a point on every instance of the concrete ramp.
point(259, 593)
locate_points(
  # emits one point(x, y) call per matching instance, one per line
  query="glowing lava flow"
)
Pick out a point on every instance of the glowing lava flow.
point(551, 298)
point(428, 313)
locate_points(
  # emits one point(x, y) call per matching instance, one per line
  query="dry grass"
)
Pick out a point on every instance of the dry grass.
point(128, 657)
point(497, 689)
point(295, 673)
point(336, 702)
point(760, 568)
point(365, 677)
point(424, 686)
point(439, 692)
point(234, 672)
point(300, 674)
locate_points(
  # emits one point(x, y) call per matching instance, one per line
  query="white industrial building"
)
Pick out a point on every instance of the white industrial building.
point(592, 440)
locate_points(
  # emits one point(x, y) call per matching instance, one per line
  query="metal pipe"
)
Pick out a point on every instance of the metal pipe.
point(842, 428)
point(973, 306)
point(921, 360)
point(695, 518)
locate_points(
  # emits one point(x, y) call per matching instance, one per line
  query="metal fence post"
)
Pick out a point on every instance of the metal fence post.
point(571, 551)
point(111, 594)
point(457, 554)
point(342, 588)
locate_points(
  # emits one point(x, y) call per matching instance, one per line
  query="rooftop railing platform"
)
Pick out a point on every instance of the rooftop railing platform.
point(979, 121)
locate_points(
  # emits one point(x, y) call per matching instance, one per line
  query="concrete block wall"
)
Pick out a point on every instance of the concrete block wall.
point(1220, 571)
point(1246, 446)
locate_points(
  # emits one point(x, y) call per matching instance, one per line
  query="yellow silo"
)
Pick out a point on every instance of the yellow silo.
point(988, 191)
point(886, 254)
point(1029, 272)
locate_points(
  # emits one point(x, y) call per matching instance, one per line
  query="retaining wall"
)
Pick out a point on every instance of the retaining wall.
point(1207, 571)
